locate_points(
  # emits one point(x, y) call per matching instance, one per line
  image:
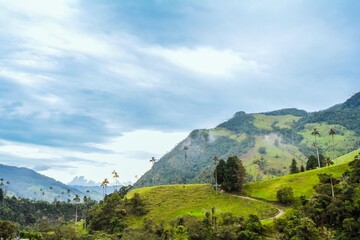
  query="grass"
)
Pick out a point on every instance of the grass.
point(343, 138)
point(262, 121)
point(169, 202)
point(277, 156)
point(302, 183)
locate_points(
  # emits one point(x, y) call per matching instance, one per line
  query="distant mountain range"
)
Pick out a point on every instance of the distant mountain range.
point(265, 142)
point(26, 183)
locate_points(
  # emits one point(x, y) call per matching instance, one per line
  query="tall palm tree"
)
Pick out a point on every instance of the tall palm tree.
point(116, 178)
point(76, 200)
point(153, 160)
point(332, 133)
point(315, 133)
point(216, 159)
point(104, 185)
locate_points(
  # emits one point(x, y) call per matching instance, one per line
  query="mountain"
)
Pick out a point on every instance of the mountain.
point(26, 183)
point(265, 142)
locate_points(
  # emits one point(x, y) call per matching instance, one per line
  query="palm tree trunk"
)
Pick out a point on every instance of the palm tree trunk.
point(317, 153)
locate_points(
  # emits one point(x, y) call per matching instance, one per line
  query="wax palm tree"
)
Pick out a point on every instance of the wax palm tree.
point(76, 201)
point(116, 177)
point(315, 133)
point(216, 159)
point(153, 160)
point(104, 185)
point(332, 133)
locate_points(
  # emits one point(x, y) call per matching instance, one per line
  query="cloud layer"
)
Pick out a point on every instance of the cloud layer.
point(75, 75)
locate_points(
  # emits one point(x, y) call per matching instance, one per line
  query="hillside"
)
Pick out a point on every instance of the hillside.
point(169, 202)
point(265, 142)
point(26, 183)
point(302, 183)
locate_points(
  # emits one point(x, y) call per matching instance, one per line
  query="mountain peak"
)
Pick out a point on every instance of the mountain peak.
point(352, 102)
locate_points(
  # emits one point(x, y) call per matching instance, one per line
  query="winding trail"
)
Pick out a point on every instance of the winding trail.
point(281, 212)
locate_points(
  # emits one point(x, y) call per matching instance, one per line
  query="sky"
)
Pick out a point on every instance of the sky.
point(88, 87)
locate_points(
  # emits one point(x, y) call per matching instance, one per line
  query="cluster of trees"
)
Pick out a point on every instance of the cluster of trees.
point(230, 175)
point(332, 213)
point(212, 227)
point(109, 215)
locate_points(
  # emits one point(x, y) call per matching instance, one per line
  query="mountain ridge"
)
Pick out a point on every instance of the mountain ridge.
point(284, 133)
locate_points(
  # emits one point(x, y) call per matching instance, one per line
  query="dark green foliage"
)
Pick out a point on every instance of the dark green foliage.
point(7, 229)
point(241, 123)
point(295, 226)
point(220, 171)
point(27, 212)
point(354, 176)
point(137, 205)
point(285, 195)
point(1, 196)
point(234, 175)
point(31, 235)
point(312, 162)
point(108, 215)
point(124, 190)
point(293, 167)
point(302, 168)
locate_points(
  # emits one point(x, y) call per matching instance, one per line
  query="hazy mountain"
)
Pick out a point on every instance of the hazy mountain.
point(26, 183)
point(266, 142)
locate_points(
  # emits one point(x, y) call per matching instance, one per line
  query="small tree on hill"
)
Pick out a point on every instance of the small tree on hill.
point(234, 175)
point(220, 171)
point(285, 195)
point(302, 168)
point(312, 162)
point(293, 167)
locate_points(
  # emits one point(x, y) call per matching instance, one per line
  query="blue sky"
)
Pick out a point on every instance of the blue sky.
point(91, 86)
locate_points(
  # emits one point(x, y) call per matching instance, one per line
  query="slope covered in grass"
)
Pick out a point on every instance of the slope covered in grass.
point(302, 183)
point(172, 201)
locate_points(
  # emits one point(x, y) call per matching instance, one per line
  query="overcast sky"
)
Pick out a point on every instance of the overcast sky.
point(87, 87)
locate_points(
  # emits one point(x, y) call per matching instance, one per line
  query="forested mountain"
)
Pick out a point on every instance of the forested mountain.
point(26, 183)
point(265, 142)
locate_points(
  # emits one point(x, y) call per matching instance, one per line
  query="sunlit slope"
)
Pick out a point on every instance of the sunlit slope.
point(172, 201)
point(302, 183)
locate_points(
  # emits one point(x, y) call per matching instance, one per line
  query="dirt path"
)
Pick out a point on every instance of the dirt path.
point(281, 212)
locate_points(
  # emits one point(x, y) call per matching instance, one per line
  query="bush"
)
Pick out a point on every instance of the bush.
point(285, 195)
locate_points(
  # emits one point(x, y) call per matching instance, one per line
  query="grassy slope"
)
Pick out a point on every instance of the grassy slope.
point(172, 201)
point(343, 138)
point(302, 183)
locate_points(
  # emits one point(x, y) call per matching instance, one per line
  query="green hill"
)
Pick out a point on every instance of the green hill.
point(172, 201)
point(274, 137)
point(302, 183)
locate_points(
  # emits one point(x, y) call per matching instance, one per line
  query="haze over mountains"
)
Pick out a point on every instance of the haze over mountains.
point(266, 142)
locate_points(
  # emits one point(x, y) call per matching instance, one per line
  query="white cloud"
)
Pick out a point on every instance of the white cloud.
point(133, 74)
point(207, 60)
point(53, 9)
point(33, 60)
point(30, 80)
